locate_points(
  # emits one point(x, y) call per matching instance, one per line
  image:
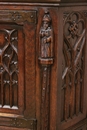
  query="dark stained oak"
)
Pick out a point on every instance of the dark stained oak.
point(43, 60)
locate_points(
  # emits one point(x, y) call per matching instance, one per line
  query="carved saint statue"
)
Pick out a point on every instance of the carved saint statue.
point(46, 37)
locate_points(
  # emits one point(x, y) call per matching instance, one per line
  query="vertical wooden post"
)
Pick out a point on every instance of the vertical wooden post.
point(46, 60)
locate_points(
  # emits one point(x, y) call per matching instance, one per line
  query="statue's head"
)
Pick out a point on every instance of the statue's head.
point(46, 20)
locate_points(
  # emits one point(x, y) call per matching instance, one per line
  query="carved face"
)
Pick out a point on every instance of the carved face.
point(45, 25)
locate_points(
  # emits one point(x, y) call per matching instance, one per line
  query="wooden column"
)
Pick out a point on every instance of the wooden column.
point(46, 60)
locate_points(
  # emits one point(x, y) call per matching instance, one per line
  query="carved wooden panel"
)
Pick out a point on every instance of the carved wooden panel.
point(9, 67)
point(17, 100)
point(73, 66)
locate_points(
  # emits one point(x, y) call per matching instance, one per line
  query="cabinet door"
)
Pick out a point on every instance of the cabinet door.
point(17, 69)
point(72, 86)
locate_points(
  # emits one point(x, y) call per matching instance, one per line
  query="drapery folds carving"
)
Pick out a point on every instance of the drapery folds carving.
point(46, 44)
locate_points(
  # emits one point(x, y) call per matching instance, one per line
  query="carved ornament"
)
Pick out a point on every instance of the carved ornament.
point(17, 16)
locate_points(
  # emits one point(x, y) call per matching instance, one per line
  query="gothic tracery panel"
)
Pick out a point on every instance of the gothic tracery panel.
point(73, 65)
point(8, 68)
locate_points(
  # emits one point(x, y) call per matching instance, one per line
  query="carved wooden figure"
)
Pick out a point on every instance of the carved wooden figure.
point(46, 60)
point(46, 37)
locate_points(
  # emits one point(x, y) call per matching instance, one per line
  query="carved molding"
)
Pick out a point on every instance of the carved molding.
point(17, 16)
point(46, 55)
